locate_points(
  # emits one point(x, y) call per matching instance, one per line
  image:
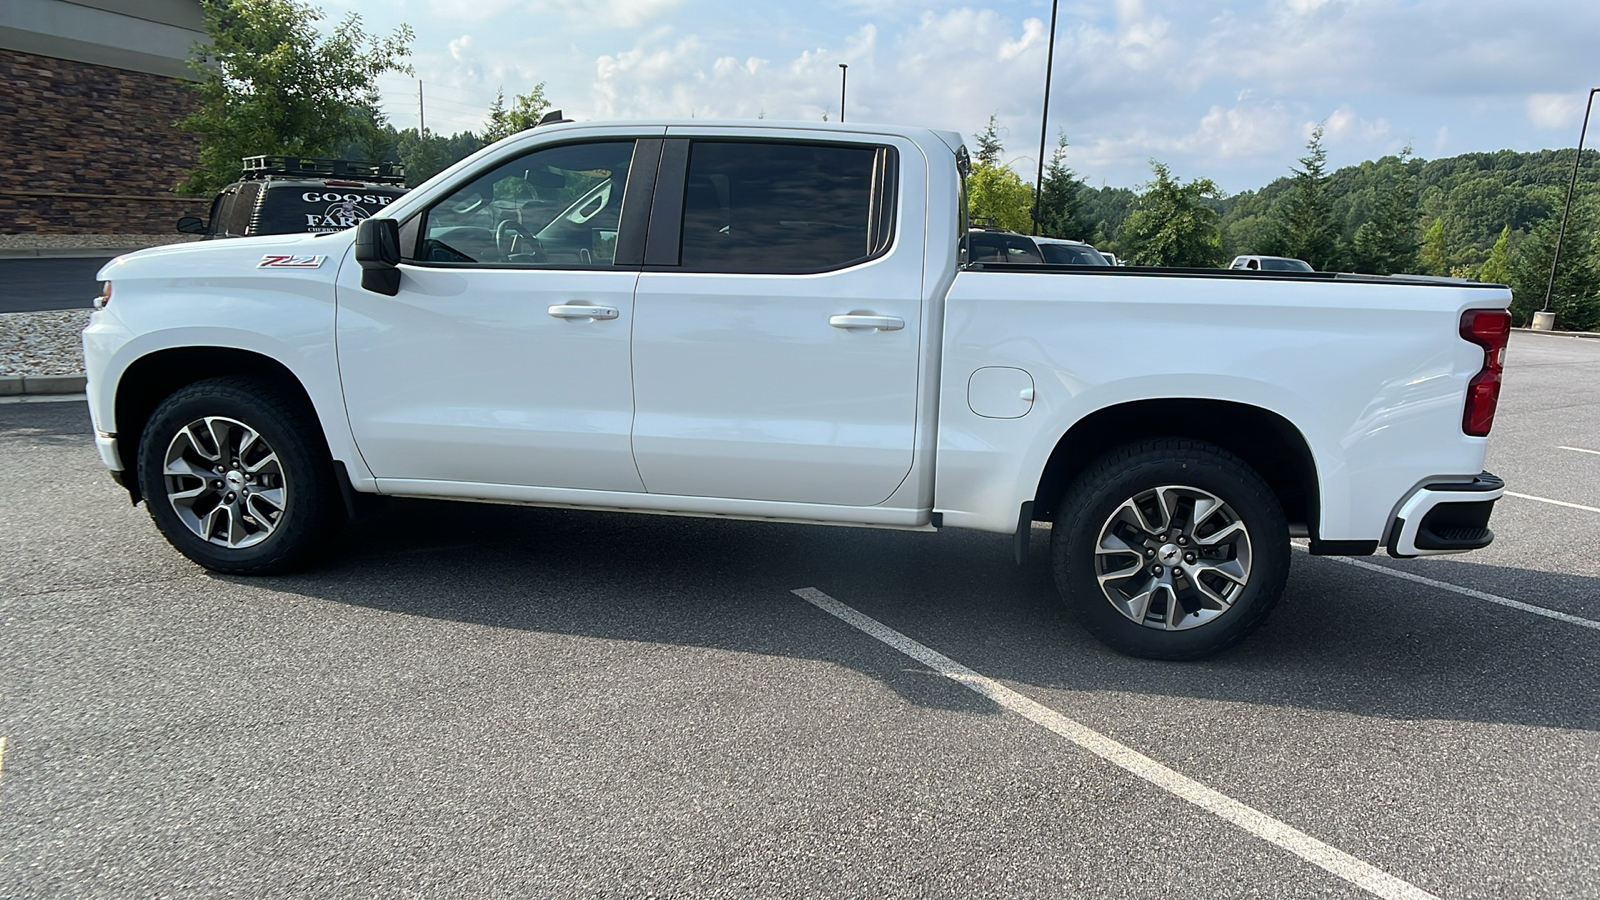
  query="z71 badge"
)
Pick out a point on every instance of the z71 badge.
point(277, 261)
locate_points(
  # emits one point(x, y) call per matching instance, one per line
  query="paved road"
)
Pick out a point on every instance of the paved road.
point(28, 285)
point(505, 702)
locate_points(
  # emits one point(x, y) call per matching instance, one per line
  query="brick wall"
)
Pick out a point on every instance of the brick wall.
point(72, 130)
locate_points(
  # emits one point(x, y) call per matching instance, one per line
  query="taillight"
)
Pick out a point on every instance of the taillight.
point(1489, 329)
point(104, 300)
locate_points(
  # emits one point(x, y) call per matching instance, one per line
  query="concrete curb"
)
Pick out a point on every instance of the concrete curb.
point(64, 252)
point(17, 385)
point(1587, 335)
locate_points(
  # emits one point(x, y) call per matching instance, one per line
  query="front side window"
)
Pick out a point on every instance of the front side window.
point(557, 206)
point(784, 207)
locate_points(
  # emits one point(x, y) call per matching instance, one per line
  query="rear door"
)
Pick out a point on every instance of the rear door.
point(778, 319)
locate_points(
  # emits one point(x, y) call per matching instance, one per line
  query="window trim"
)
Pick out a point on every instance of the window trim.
point(631, 229)
point(664, 250)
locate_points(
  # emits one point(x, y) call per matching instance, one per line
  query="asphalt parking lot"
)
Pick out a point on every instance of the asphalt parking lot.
point(493, 701)
point(28, 285)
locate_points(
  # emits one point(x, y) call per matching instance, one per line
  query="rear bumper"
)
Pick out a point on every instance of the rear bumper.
point(1445, 518)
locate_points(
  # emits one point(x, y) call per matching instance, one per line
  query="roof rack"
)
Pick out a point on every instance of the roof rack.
point(259, 167)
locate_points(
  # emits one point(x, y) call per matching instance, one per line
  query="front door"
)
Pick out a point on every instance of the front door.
point(778, 322)
point(504, 359)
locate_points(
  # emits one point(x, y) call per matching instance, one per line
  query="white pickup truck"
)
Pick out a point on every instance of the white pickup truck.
point(776, 322)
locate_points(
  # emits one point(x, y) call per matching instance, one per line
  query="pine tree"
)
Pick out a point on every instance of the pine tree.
point(1495, 269)
point(1061, 198)
point(524, 113)
point(1576, 295)
point(1387, 243)
point(1306, 230)
point(1435, 256)
point(989, 148)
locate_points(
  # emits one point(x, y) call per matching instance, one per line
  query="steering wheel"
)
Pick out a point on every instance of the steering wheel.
point(509, 233)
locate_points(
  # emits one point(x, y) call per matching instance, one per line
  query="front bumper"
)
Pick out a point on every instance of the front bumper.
point(1445, 518)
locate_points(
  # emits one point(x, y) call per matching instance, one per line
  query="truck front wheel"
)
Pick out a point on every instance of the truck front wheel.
point(1170, 549)
point(236, 477)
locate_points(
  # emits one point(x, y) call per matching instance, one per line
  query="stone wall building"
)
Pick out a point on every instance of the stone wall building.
point(89, 92)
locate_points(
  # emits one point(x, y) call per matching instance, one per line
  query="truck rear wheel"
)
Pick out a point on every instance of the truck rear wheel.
point(237, 479)
point(1170, 549)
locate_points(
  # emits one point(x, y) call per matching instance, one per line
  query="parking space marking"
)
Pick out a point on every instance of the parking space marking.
point(1577, 449)
point(1363, 875)
point(1594, 509)
point(1465, 592)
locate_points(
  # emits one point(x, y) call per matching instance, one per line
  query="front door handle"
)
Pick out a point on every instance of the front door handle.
point(854, 320)
point(583, 311)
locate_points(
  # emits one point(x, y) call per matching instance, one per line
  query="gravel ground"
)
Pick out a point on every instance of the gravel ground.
point(42, 343)
point(59, 241)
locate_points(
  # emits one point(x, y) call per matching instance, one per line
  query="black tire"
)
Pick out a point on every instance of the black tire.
point(312, 510)
point(1113, 486)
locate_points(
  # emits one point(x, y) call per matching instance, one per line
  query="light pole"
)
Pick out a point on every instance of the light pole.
point(1544, 319)
point(844, 72)
point(1044, 117)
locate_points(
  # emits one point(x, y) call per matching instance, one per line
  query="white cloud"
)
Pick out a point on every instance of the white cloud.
point(607, 14)
point(1226, 89)
point(1555, 110)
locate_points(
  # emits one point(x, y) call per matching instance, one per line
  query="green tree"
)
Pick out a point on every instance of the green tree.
point(1576, 295)
point(1495, 269)
point(271, 82)
point(989, 148)
point(1171, 225)
point(1061, 198)
point(427, 155)
point(999, 196)
point(525, 111)
point(1307, 230)
point(1434, 256)
point(1386, 244)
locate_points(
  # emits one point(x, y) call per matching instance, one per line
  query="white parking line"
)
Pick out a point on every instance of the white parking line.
point(1577, 449)
point(1361, 874)
point(1465, 592)
point(1595, 509)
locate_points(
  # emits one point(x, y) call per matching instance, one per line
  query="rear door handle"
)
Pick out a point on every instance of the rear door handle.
point(881, 323)
point(583, 311)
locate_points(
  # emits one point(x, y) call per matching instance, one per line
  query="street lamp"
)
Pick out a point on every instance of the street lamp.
point(844, 71)
point(1545, 319)
point(1044, 117)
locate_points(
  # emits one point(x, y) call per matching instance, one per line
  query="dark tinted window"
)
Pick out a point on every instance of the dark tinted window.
point(557, 206)
point(1001, 247)
point(293, 208)
point(771, 207)
point(1285, 265)
point(1071, 255)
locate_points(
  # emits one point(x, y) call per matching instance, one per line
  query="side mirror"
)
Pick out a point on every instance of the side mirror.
point(378, 252)
point(192, 225)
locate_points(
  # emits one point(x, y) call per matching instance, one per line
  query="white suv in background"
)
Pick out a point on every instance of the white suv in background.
point(1270, 264)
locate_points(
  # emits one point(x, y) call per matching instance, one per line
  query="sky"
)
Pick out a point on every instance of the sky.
point(1228, 89)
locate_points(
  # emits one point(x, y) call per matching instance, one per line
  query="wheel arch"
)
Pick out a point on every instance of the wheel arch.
point(155, 376)
point(1265, 440)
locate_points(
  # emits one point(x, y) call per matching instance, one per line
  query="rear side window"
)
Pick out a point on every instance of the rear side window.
point(1001, 247)
point(290, 209)
point(785, 207)
point(239, 215)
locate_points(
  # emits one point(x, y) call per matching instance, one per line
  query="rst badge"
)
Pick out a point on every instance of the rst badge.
point(283, 261)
